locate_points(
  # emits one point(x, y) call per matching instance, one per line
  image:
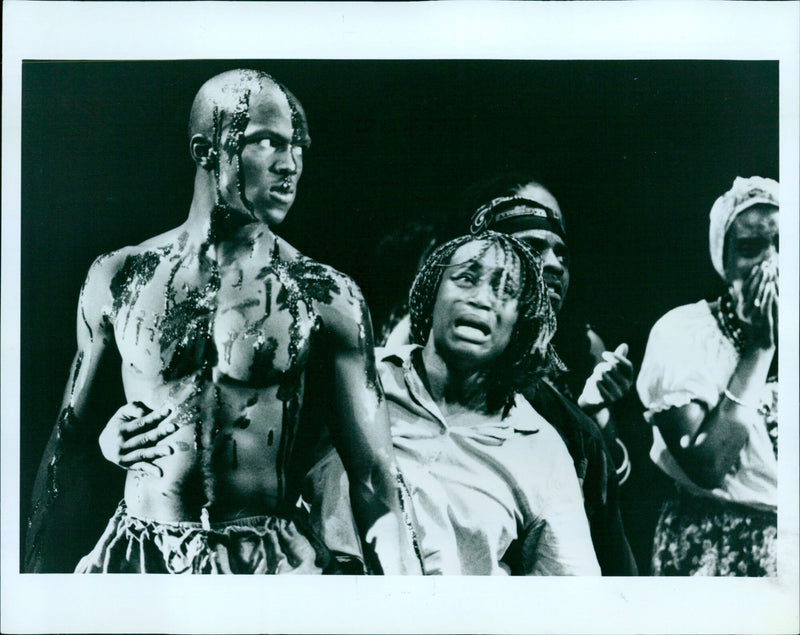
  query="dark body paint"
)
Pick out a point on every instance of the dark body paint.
point(188, 350)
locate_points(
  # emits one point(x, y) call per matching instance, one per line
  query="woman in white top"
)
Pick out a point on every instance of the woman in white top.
point(709, 385)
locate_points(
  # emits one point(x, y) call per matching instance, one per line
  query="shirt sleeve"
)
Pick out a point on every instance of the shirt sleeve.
point(687, 358)
point(400, 335)
point(326, 494)
point(557, 540)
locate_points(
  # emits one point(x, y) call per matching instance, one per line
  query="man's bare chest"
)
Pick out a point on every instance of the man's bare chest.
point(250, 321)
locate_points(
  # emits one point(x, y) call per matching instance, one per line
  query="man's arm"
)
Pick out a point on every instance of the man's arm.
point(62, 489)
point(362, 436)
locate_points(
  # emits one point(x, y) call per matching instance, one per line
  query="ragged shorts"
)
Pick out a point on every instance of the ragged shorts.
point(256, 545)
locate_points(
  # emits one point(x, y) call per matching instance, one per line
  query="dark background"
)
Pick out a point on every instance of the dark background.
point(635, 151)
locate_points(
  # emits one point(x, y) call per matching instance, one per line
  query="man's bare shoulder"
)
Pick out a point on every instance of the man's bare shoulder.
point(326, 284)
point(106, 266)
point(336, 296)
point(110, 262)
point(175, 236)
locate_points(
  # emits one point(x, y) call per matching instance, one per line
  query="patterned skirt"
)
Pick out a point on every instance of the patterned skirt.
point(257, 545)
point(704, 536)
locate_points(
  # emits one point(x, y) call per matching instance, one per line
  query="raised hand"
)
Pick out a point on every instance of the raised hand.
point(759, 304)
point(610, 380)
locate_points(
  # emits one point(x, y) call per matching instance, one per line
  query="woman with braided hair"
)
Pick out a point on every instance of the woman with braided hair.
point(492, 486)
point(580, 399)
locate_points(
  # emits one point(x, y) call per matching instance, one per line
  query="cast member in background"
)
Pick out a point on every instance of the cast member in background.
point(709, 382)
point(518, 205)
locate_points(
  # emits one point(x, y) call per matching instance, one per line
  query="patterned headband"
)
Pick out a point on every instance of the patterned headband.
point(510, 214)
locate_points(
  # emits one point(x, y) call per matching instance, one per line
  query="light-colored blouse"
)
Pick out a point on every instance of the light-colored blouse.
point(688, 358)
point(491, 495)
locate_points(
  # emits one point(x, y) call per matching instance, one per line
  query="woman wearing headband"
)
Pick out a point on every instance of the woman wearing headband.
point(577, 401)
point(491, 482)
point(709, 385)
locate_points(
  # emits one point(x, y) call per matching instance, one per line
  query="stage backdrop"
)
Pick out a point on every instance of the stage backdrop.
point(636, 152)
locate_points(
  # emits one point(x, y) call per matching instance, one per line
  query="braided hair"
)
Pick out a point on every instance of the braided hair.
point(529, 354)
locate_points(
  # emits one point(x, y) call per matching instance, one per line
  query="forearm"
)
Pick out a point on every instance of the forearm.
point(710, 451)
point(68, 445)
point(383, 522)
point(747, 381)
point(606, 421)
point(61, 491)
point(375, 499)
point(73, 482)
point(362, 436)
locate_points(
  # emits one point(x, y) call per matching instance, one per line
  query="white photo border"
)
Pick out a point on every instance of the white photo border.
point(463, 30)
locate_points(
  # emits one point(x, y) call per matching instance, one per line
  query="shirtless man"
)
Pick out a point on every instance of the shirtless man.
point(216, 323)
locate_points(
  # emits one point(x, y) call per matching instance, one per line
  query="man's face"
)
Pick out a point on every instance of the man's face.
point(261, 178)
point(549, 245)
point(752, 238)
point(476, 306)
point(555, 262)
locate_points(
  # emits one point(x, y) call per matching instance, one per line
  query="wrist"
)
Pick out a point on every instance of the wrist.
point(590, 407)
point(755, 361)
point(757, 337)
point(756, 343)
point(738, 401)
point(622, 461)
point(739, 405)
point(602, 416)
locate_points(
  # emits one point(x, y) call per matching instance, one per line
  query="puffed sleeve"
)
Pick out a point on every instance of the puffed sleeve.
point(687, 358)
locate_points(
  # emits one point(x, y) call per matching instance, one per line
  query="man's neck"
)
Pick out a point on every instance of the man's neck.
point(218, 227)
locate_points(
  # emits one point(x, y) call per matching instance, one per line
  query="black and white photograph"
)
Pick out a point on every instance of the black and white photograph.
point(473, 336)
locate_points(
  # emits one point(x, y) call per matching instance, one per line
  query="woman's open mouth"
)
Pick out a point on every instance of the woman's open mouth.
point(472, 329)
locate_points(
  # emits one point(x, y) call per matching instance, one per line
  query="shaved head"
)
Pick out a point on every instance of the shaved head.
point(222, 105)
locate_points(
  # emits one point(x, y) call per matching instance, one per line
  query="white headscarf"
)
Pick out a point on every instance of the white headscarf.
point(742, 196)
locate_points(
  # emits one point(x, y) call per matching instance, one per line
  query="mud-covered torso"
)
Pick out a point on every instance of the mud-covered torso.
point(222, 339)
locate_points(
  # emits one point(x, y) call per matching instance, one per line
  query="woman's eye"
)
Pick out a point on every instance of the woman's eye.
point(750, 248)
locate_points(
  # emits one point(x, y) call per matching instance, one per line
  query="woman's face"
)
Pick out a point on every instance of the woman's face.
point(751, 240)
point(476, 305)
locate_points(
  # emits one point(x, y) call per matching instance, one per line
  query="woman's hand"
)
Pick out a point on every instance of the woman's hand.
point(131, 437)
point(759, 305)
